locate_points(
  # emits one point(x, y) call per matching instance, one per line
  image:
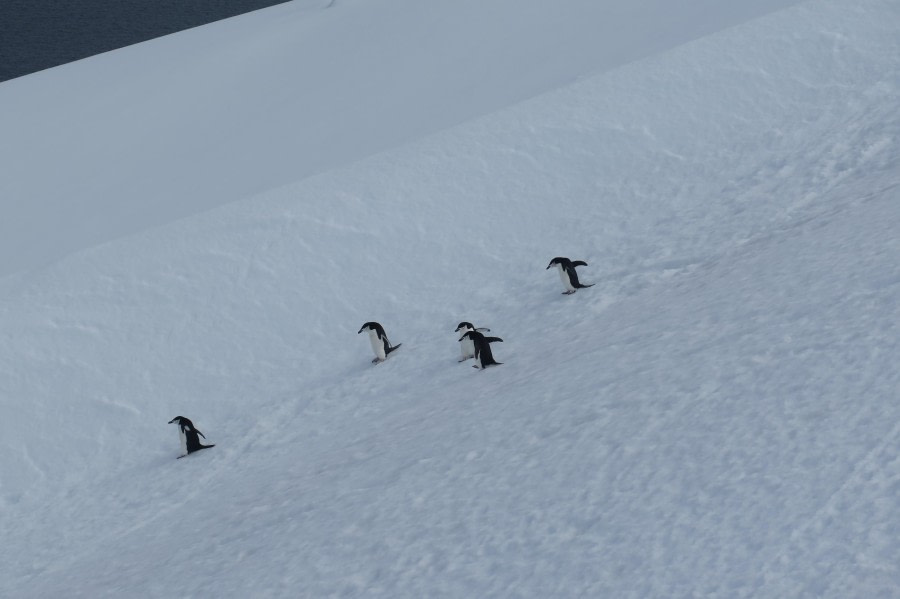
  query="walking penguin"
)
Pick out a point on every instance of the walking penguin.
point(482, 344)
point(567, 273)
point(380, 344)
point(190, 436)
point(466, 345)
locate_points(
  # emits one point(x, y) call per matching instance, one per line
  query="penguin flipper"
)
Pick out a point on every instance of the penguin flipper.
point(573, 277)
point(388, 350)
point(579, 263)
point(493, 339)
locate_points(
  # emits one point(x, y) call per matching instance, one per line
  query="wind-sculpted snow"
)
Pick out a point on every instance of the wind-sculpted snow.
point(716, 416)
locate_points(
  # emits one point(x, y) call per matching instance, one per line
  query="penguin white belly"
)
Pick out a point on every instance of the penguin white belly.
point(467, 349)
point(183, 438)
point(377, 345)
point(564, 277)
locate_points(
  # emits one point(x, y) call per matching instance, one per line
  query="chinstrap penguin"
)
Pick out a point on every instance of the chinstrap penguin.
point(380, 344)
point(482, 344)
point(190, 436)
point(567, 273)
point(466, 345)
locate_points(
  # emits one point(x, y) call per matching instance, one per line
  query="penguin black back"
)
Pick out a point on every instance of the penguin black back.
point(373, 326)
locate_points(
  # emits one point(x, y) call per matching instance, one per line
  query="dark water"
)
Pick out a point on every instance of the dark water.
point(39, 34)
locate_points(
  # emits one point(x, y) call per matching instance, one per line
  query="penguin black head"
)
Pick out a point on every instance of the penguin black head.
point(465, 325)
point(184, 423)
point(372, 326)
point(558, 260)
point(470, 335)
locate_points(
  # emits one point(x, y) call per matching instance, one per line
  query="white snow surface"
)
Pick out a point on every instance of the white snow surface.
point(142, 136)
point(717, 416)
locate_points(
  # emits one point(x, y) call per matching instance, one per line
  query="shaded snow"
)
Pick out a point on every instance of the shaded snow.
point(716, 416)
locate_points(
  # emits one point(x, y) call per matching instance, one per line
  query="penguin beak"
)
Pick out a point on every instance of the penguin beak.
point(361, 329)
point(548, 266)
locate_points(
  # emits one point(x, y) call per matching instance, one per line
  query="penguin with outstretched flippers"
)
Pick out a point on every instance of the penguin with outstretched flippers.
point(466, 345)
point(483, 355)
point(567, 273)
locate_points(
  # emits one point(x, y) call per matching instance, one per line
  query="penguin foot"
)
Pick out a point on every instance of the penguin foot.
point(568, 292)
point(377, 360)
point(483, 368)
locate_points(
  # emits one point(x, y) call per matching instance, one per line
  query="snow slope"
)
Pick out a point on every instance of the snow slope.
point(141, 136)
point(716, 416)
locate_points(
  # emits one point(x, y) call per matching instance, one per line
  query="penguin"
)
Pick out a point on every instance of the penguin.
point(482, 344)
point(466, 346)
point(190, 437)
point(380, 344)
point(568, 275)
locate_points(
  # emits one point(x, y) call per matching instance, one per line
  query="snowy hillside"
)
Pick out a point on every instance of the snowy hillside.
point(142, 136)
point(716, 416)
